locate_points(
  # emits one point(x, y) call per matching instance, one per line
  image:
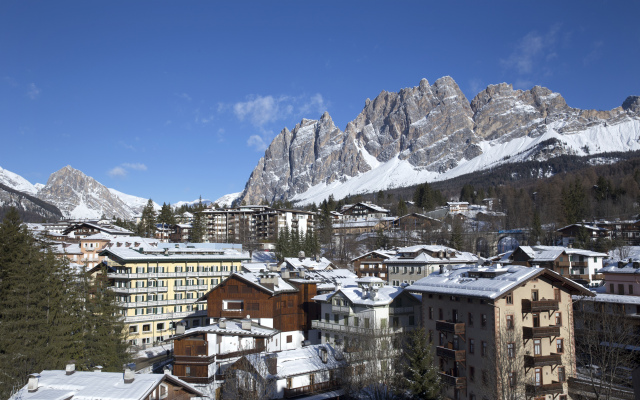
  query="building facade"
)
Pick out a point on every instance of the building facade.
point(501, 332)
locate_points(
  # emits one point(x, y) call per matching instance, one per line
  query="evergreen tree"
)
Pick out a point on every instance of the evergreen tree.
point(166, 215)
point(283, 244)
point(536, 228)
point(421, 377)
point(197, 228)
point(456, 235)
point(574, 202)
point(402, 208)
point(147, 225)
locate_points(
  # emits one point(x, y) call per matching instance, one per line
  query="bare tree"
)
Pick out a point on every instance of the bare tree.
point(605, 338)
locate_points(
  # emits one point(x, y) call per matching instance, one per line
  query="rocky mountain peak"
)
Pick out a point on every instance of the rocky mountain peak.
point(631, 103)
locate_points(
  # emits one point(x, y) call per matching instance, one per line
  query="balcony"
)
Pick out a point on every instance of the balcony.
point(542, 361)
point(240, 353)
point(539, 305)
point(456, 355)
point(401, 310)
point(457, 382)
point(341, 309)
point(354, 329)
point(540, 332)
point(165, 316)
point(457, 328)
point(309, 389)
point(539, 390)
point(191, 287)
point(139, 290)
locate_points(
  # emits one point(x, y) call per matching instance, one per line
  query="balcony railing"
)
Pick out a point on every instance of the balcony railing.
point(401, 310)
point(197, 379)
point(354, 329)
point(550, 388)
point(147, 289)
point(540, 332)
point(184, 274)
point(165, 316)
point(457, 382)
point(456, 355)
point(191, 287)
point(233, 354)
point(542, 361)
point(341, 309)
point(309, 389)
point(457, 328)
point(539, 305)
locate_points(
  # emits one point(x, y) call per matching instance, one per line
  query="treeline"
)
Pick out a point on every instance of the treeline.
point(290, 243)
point(33, 215)
point(51, 313)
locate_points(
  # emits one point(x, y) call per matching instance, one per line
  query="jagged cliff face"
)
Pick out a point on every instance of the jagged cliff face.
point(80, 196)
point(433, 128)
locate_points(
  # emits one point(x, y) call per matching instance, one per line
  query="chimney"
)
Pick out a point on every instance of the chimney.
point(32, 386)
point(71, 367)
point(97, 368)
point(246, 324)
point(324, 356)
point(222, 323)
point(285, 275)
point(129, 375)
point(166, 370)
point(301, 255)
point(272, 364)
point(166, 251)
point(180, 329)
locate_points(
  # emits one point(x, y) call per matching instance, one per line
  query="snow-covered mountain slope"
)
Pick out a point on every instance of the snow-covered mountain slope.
point(228, 199)
point(134, 202)
point(16, 182)
point(430, 133)
point(190, 203)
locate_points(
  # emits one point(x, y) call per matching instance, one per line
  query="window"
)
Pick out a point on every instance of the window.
point(485, 377)
point(561, 375)
point(356, 321)
point(440, 314)
point(289, 338)
point(472, 346)
point(234, 305)
point(146, 328)
point(611, 288)
point(335, 318)
point(346, 320)
point(483, 320)
point(430, 312)
point(472, 374)
point(630, 289)
point(411, 320)
point(366, 323)
point(559, 346)
point(441, 339)
point(534, 294)
point(160, 326)
point(133, 328)
point(512, 379)
point(511, 350)
point(510, 322)
point(557, 295)
point(558, 319)
point(326, 317)
point(537, 347)
point(187, 371)
point(470, 319)
point(483, 350)
point(620, 288)
point(509, 298)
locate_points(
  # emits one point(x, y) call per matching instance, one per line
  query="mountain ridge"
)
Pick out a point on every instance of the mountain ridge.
point(432, 132)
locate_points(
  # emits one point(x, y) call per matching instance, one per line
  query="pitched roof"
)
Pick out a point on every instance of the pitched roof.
point(488, 282)
point(297, 362)
point(82, 385)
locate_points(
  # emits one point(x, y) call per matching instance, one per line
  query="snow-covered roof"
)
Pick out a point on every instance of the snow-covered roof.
point(82, 385)
point(256, 279)
point(587, 227)
point(627, 268)
point(551, 253)
point(359, 223)
point(309, 263)
point(487, 282)
point(380, 253)
point(65, 248)
point(452, 256)
point(610, 298)
point(296, 362)
point(264, 257)
point(327, 279)
point(358, 296)
point(233, 327)
point(125, 254)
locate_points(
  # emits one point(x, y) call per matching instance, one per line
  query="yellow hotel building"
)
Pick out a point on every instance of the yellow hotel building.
point(158, 287)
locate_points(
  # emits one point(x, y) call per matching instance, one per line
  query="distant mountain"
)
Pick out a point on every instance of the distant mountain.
point(134, 202)
point(228, 199)
point(433, 133)
point(30, 208)
point(16, 182)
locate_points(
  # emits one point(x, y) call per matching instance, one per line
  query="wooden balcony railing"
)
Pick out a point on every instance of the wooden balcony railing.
point(457, 328)
point(233, 354)
point(456, 355)
point(549, 388)
point(540, 332)
point(542, 361)
point(309, 389)
point(458, 382)
point(539, 305)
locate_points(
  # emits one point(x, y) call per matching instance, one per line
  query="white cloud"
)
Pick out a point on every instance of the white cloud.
point(117, 172)
point(184, 96)
point(257, 142)
point(136, 166)
point(595, 53)
point(534, 48)
point(262, 110)
point(123, 169)
point(33, 92)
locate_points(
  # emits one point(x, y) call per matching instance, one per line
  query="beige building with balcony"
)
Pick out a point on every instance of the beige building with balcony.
point(159, 287)
point(501, 332)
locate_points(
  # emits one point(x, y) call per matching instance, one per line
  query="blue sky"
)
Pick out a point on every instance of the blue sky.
point(173, 100)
